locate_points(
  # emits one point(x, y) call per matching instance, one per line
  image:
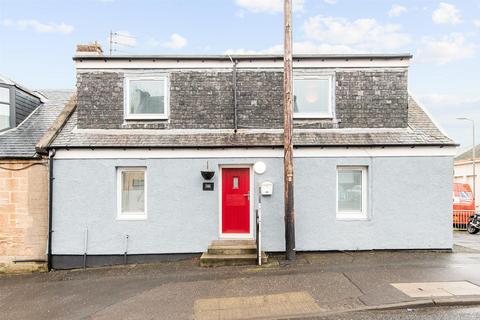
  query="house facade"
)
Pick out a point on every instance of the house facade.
point(463, 166)
point(25, 116)
point(371, 168)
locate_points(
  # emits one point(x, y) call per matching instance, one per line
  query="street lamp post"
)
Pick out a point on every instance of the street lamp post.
point(473, 156)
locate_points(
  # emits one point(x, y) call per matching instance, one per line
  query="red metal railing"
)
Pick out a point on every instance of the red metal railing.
point(461, 218)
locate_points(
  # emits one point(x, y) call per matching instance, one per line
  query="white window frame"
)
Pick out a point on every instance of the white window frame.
point(146, 116)
point(331, 98)
point(130, 215)
point(354, 215)
point(7, 103)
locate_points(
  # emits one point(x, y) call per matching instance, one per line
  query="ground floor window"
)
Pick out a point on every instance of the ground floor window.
point(351, 192)
point(131, 193)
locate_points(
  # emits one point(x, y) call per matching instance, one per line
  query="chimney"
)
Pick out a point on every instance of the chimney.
point(93, 49)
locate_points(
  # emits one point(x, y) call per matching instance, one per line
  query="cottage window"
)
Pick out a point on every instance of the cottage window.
point(351, 193)
point(4, 108)
point(146, 98)
point(313, 97)
point(132, 190)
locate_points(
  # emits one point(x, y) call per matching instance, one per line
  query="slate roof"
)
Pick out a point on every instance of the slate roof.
point(467, 155)
point(421, 131)
point(20, 141)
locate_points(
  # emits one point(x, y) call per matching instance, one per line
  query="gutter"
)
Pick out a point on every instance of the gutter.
point(401, 56)
point(272, 146)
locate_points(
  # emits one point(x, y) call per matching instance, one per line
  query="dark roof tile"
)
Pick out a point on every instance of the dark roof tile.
point(421, 131)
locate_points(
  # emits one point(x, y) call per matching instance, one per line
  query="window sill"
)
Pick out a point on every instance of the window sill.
point(131, 217)
point(313, 116)
point(143, 118)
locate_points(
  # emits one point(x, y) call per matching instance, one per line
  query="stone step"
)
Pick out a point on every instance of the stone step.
point(232, 250)
point(233, 243)
point(216, 260)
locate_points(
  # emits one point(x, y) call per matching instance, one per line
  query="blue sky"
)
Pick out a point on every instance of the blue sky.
point(37, 39)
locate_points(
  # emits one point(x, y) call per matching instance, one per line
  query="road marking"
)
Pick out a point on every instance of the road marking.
point(438, 289)
point(272, 305)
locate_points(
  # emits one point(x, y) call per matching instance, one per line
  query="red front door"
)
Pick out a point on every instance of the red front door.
point(235, 200)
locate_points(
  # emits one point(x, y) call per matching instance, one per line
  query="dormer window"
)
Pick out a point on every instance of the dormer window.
point(4, 108)
point(146, 98)
point(313, 96)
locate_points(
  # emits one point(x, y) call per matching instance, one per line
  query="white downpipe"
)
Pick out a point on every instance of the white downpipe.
point(259, 226)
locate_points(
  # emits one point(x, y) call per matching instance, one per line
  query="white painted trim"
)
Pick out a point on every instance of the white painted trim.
point(354, 215)
point(157, 132)
point(232, 236)
point(331, 94)
point(136, 215)
point(146, 116)
point(213, 64)
point(202, 153)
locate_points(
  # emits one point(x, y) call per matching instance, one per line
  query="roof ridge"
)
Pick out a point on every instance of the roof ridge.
point(57, 125)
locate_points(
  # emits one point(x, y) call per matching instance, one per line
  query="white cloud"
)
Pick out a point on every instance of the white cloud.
point(446, 13)
point(269, 6)
point(330, 1)
point(442, 100)
point(397, 10)
point(38, 26)
point(365, 34)
point(176, 42)
point(446, 49)
point(476, 23)
point(305, 47)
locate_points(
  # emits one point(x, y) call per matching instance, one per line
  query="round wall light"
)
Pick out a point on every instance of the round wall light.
point(259, 167)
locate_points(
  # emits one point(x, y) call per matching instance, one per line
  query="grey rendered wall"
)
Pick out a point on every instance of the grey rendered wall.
point(181, 217)
point(409, 206)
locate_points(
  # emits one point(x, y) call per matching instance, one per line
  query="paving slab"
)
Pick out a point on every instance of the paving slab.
point(254, 307)
point(438, 289)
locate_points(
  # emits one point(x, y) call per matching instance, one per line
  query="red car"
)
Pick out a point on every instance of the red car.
point(463, 204)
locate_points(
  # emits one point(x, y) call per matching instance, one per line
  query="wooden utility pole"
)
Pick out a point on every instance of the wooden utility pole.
point(287, 134)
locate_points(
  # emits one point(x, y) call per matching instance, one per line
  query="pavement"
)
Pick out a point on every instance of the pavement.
point(442, 313)
point(316, 285)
